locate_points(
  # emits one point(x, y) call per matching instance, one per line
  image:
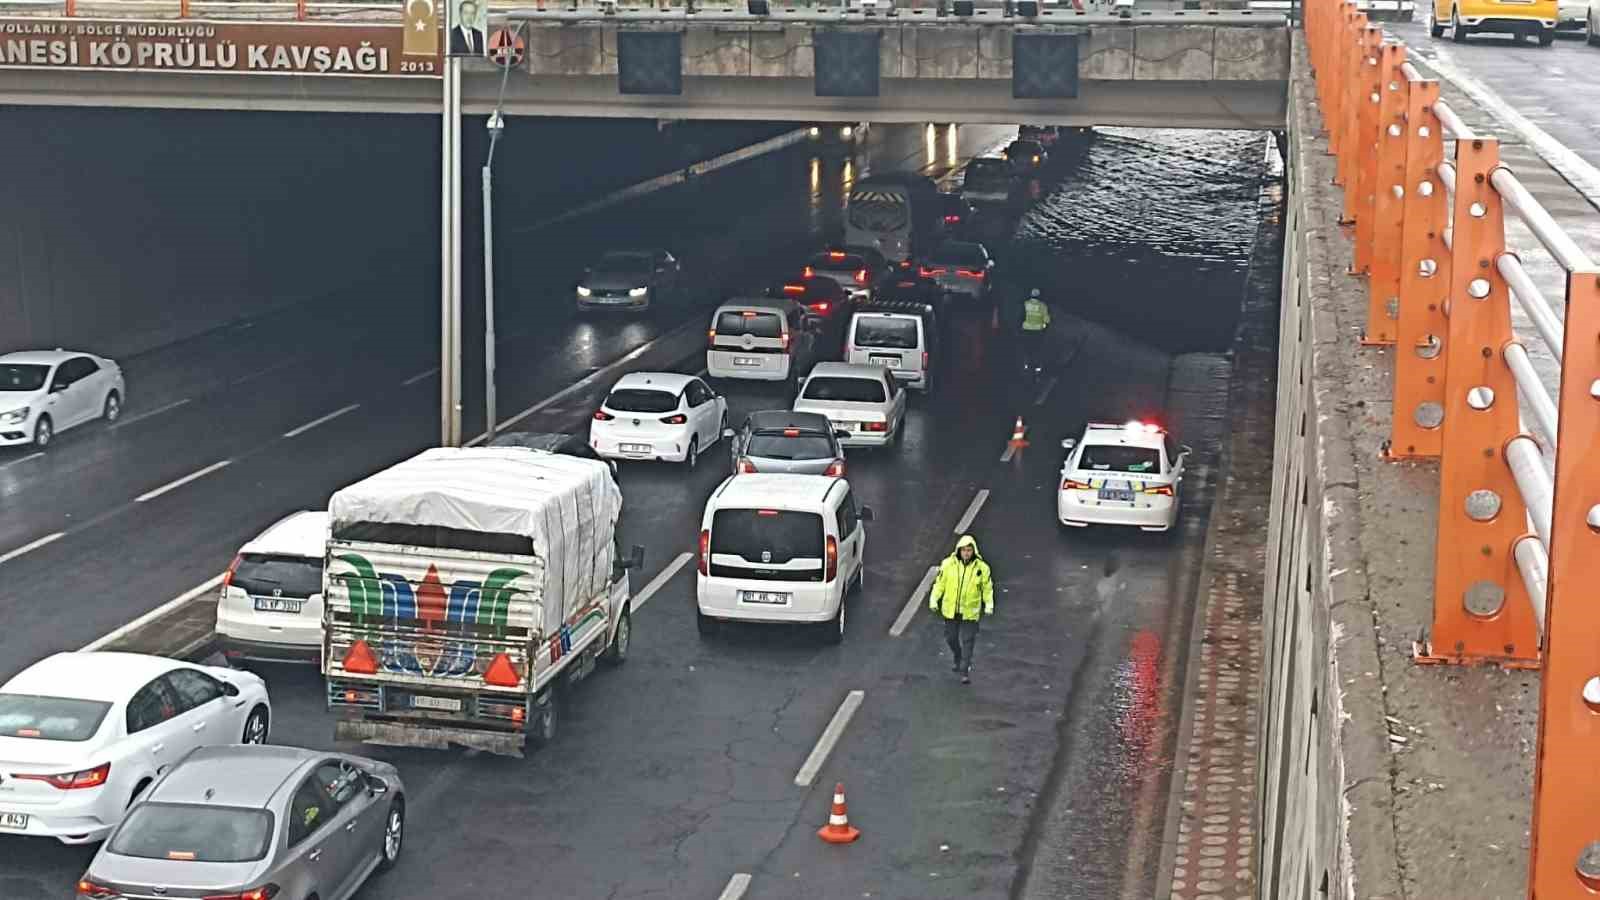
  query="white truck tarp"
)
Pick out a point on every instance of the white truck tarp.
point(567, 506)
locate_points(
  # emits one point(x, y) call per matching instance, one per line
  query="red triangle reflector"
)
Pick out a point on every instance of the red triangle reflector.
point(502, 672)
point(360, 659)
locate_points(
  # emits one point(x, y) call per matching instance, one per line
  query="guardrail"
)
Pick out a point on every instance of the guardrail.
point(1518, 550)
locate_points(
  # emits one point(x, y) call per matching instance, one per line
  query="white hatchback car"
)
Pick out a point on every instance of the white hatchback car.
point(660, 416)
point(82, 734)
point(44, 392)
point(866, 402)
point(1123, 474)
point(270, 607)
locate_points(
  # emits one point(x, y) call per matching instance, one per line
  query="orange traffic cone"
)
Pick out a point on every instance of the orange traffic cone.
point(1017, 432)
point(838, 830)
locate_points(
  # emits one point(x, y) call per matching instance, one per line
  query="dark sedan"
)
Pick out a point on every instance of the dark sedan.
point(628, 280)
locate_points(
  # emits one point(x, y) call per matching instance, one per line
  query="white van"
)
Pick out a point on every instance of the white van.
point(896, 335)
point(782, 549)
point(270, 607)
point(764, 338)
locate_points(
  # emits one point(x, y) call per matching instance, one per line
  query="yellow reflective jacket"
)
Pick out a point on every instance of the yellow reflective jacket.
point(1035, 315)
point(967, 589)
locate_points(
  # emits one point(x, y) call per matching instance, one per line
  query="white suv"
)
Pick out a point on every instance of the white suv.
point(780, 548)
point(1121, 475)
point(270, 607)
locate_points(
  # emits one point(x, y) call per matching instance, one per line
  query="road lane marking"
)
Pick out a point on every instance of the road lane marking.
point(24, 459)
point(267, 371)
point(662, 577)
point(129, 420)
point(915, 603)
point(174, 485)
point(830, 736)
point(419, 376)
point(737, 885)
point(25, 548)
point(327, 418)
point(1048, 387)
point(972, 511)
point(165, 608)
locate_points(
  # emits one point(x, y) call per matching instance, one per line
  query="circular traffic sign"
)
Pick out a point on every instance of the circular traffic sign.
point(506, 47)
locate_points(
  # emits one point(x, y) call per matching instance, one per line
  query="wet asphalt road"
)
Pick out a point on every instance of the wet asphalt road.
point(1046, 777)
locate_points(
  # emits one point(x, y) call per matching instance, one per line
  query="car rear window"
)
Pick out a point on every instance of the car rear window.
point(639, 400)
point(22, 376)
point(272, 575)
point(736, 323)
point(957, 256)
point(1116, 458)
point(890, 332)
point(844, 390)
point(766, 535)
point(777, 445)
point(1022, 147)
point(837, 262)
point(50, 718)
point(194, 833)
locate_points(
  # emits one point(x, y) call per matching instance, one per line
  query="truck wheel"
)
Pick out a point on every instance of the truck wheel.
point(705, 624)
point(546, 718)
point(617, 653)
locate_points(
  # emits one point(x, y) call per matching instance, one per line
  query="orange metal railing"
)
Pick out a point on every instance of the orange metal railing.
point(1518, 550)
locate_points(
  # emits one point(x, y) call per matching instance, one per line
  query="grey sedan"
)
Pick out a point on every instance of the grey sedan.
point(255, 823)
point(780, 440)
point(629, 280)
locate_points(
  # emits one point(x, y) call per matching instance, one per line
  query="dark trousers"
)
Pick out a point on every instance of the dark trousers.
point(962, 636)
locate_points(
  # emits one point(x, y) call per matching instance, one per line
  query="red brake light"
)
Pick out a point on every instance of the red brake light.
point(227, 577)
point(926, 272)
point(748, 314)
point(601, 415)
point(265, 892)
point(971, 273)
point(833, 558)
point(836, 254)
point(874, 426)
point(72, 781)
point(861, 276)
point(794, 289)
point(835, 469)
point(785, 340)
point(951, 220)
point(1068, 484)
point(88, 888)
point(766, 512)
point(501, 672)
point(807, 272)
point(705, 550)
point(678, 419)
point(791, 432)
point(746, 467)
point(360, 659)
point(820, 306)
point(924, 360)
point(1164, 490)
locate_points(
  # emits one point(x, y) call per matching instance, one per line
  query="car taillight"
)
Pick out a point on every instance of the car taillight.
point(601, 415)
point(833, 558)
point(821, 306)
point(924, 360)
point(928, 272)
point(1068, 484)
point(72, 781)
point(861, 276)
point(711, 337)
point(951, 220)
point(359, 659)
point(90, 888)
point(835, 469)
point(227, 577)
point(502, 673)
point(785, 339)
point(265, 892)
point(970, 273)
point(746, 467)
point(678, 419)
point(808, 272)
point(705, 551)
point(1164, 490)
point(874, 426)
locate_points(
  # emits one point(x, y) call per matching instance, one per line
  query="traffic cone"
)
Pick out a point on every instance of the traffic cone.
point(1017, 432)
point(838, 830)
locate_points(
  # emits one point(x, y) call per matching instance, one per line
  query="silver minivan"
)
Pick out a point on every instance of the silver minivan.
point(763, 338)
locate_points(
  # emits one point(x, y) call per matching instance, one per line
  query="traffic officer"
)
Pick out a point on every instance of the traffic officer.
point(963, 592)
point(1035, 321)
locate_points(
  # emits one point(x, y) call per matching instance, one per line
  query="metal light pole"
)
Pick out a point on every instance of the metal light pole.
point(496, 125)
point(450, 260)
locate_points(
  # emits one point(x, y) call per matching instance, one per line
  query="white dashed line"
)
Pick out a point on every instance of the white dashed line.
point(27, 548)
point(153, 412)
point(327, 418)
point(830, 736)
point(915, 603)
point(972, 511)
point(158, 612)
point(174, 485)
point(1048, 387)
point(737, 885)
point(419, 376)
point(664, 576)
point(18, 462)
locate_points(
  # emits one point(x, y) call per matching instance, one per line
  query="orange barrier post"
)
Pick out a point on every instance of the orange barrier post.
point(1424, 270)
point(1343, 88)
point(1481, 611)
point(1565, 846)
point(183, 9)
point(72, 8)
point(1364, 162)
point(1381, 230)
point(1350, 118)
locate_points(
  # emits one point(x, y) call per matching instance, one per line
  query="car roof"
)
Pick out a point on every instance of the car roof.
point(757, 490)
point(671, 382)
point(246, 775)
point(1118, 434)
point(775, 304)
point(787, 418)
point(41, 357)
point(303, 533)
point(959, 245)
point(847, 370)
point(107, 677)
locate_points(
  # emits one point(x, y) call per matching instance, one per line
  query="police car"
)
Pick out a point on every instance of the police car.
point(1121, 474)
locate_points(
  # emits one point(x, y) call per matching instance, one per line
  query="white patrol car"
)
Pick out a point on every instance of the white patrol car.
point(1122, 474)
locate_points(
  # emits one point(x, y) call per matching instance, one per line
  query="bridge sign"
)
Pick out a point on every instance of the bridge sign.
point(506, 48)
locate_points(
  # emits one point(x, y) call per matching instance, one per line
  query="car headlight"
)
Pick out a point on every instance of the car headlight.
point(583, 291)
point(638, 292)
point(847, 132)
point(16, 415)
point(815, 131)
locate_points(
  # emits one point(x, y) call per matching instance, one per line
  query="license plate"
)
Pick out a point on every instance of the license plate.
point(885, 360)
point(746, 361)
point(848, 426)
point(771, 598)
point(1117, 492)
point(444, 704)
point(14, 821)
point(634, 448)
point(278, 604)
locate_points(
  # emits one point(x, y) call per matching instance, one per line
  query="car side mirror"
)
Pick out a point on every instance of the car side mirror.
point(377, 787)
point(867, 515)
point(1185, 450)
point(727, 432)
point(229, 689)
point(1068, 443)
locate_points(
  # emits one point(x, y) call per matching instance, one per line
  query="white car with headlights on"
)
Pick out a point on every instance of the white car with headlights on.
point(83, 734)
point(864, 402)
point(44, 392)
point(659, 416)
point(1126, 474)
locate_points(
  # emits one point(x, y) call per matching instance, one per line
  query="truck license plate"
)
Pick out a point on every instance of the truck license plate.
point(746, 361)
point(771, 598)
point(14, 821)
point(277, 604)
point(443, 704)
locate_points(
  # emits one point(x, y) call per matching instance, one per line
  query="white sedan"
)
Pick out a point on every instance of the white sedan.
point(1124, 474)
point(659, 416)
point(83, 734)
point(43, 392)
point(863, 402)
